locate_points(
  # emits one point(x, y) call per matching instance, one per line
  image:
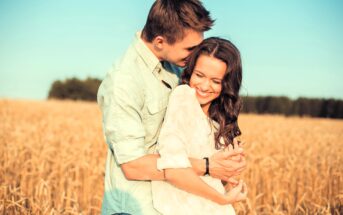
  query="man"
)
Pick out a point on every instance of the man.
point(133, 99)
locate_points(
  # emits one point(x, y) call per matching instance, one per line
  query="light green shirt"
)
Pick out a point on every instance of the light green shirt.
point(133, 102)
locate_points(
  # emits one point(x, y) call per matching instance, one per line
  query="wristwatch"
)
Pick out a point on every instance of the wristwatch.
point(207, 171)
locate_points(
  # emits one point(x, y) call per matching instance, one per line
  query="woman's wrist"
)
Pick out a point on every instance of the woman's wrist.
point(198, 165)
point(207, 166)
point(221, 199)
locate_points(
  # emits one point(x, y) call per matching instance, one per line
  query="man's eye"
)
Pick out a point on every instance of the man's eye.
point(190, 49)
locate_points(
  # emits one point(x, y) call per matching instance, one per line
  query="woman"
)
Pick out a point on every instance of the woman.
point(201, 118)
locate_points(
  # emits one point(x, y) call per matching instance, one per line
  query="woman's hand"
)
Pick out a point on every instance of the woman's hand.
point(228, 162)
point(237, 193)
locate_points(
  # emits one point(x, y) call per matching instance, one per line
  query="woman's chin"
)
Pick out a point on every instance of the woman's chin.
point(202, 101)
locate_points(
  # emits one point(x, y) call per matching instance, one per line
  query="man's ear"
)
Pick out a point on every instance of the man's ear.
point(158, 42)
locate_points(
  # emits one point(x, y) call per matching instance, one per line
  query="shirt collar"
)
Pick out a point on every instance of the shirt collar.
point(146, 54)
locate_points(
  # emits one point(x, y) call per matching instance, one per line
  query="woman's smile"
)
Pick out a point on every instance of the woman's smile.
point(201, 93)
point(206, 79)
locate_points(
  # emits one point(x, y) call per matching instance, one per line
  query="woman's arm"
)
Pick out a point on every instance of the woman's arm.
point(187, 180)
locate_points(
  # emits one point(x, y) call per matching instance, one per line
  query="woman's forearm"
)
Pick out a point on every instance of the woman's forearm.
point(198, 166)
point(186, 179)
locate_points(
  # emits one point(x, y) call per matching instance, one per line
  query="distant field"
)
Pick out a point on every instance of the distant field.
point(52, 158)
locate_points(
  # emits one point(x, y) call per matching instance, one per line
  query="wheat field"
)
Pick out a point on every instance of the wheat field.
point(52, 159)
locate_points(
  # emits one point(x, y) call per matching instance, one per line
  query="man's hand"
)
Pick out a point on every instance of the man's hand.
point(227, 163)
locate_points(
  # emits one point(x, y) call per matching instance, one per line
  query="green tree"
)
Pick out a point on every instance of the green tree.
point(75, 89)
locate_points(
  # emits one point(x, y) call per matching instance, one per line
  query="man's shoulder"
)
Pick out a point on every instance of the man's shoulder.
point(122, 76)
point(125, 71)
point(128, 64)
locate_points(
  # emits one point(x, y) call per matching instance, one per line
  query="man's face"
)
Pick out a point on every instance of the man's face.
point(178, 52)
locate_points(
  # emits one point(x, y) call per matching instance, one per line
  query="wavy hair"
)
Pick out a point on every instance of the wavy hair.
point(226, 107)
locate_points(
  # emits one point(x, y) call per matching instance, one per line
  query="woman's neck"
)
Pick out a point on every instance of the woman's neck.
point(205, 108)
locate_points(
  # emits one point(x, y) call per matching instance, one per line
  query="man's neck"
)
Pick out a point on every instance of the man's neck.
point(152, 49)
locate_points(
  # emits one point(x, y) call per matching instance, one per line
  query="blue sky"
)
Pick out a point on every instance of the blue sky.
point(292, 48)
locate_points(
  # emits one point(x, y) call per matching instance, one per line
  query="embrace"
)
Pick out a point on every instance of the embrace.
point(170, 110)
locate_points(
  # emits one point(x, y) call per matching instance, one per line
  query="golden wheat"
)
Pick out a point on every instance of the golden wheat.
point(52, 161)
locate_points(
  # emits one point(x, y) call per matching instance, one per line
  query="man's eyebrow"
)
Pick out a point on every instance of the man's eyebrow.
point(191, 48)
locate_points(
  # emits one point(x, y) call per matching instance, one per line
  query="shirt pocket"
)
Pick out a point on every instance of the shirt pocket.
point(155, 114)
point(154, 107)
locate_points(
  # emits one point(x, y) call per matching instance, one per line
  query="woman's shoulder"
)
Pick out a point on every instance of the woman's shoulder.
point(183, 89)
point(183, 92)
point(183, 96)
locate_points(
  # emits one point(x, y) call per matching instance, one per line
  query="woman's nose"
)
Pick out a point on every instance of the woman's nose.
point(205, 85)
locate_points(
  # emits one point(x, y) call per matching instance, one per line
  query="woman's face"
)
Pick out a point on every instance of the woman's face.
point(206, 79)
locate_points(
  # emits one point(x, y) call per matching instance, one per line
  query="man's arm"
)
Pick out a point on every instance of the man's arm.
point(221, 166)
point(143, 168)
point(176, 176)
point(121, 99)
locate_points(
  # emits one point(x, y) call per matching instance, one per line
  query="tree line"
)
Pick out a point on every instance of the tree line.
point(77, 89)
point(326, 108)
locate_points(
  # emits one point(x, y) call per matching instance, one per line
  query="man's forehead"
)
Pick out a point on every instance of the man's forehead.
point(192, 39)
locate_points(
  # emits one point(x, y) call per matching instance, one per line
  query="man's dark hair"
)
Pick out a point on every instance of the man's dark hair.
point(170, 18)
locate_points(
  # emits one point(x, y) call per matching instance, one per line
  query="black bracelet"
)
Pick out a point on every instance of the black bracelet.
point(207, 172)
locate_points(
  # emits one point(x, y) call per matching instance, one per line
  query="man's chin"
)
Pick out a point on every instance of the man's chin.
point(181, 64)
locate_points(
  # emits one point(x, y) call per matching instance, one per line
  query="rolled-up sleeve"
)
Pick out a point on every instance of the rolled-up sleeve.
point(172, 139)
point(122, 118)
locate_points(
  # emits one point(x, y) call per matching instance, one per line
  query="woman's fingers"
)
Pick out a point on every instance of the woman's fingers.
point(239, 185)
point(239, 192)
point(233, 181)
point(245, 189)
point(230, 148)
point(243, 193)
point(232, 152)
point(241, 144)
point(235, 143)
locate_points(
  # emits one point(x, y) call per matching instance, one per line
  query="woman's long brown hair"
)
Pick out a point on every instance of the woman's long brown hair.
point(226, 107)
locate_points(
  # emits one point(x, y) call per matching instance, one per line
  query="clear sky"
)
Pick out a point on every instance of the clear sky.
point(289, 47)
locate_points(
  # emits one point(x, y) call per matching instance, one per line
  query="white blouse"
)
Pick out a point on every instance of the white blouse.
point(186, 132)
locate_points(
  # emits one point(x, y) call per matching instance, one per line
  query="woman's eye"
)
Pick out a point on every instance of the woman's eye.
point(217, 82)
point(198, 75)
